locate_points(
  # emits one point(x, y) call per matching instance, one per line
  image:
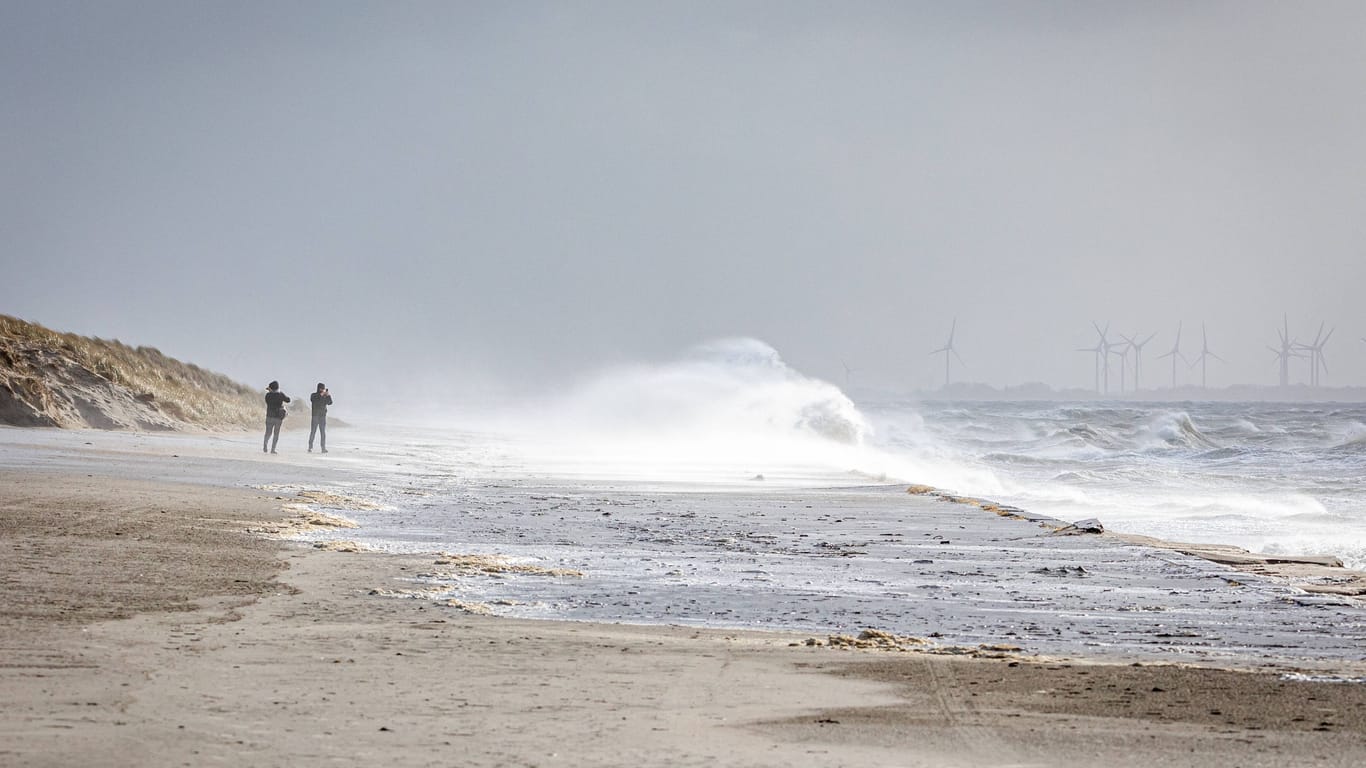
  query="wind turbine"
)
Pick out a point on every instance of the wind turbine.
point(1123, 352)
point(1137, 347)
point(948, 350)
point(1104, 348)
point(1286, 351)
point(1204, 356)
point(848, 374)
point(1102, 352)
point(1095, 366)
point(1174, 354)
point(1315, 355)
point(1318, 348)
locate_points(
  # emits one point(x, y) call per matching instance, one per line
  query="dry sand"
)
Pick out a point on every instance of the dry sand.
point(143, 626)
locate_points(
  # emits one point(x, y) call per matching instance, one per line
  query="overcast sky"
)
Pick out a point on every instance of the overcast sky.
point(509, 193)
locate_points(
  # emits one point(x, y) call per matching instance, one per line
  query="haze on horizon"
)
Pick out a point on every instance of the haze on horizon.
point(458, 198)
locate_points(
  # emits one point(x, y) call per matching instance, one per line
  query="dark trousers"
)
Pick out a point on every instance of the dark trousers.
point(272, 433)
point(319, 428)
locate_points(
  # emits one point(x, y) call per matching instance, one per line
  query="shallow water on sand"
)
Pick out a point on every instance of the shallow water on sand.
point(821, 553)
point(808, 548)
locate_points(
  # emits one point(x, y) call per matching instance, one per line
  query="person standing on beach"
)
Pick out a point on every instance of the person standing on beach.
point(320, 399)
point(275, 415)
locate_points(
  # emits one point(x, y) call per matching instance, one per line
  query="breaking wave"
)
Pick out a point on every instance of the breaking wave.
point(717, 410)
point(1353, 439)
point(1267, 477)
point(737, 388)
point(1175, 430)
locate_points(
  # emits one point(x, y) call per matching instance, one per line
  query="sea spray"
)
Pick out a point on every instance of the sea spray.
point(736, 388)
point(726, 407)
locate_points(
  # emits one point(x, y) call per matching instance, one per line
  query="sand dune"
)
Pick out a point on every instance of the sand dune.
point(51, 379)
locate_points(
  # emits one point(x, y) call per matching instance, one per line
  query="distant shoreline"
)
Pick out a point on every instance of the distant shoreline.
point(1261, 395)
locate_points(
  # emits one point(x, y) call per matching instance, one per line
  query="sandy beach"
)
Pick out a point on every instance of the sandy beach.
point(144, 624)
point(668, 384)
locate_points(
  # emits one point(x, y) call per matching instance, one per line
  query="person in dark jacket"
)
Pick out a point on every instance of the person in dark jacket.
point(320, 399)
point(275, 415)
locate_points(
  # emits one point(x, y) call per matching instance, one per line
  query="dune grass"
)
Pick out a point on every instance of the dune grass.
point(183, 391)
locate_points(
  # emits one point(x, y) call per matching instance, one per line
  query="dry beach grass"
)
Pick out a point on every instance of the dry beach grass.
point(48, 378)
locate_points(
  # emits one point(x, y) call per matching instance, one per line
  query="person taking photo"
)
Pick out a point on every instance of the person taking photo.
point(320, 399)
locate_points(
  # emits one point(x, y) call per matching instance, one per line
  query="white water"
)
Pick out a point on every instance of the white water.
point(726, 489)
point(1274, 478)
point(724, 411)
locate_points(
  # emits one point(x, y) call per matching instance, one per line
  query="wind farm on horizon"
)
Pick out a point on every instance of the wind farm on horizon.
point(1119, 367)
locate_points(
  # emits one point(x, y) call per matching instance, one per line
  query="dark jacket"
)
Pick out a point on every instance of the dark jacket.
point(320, 403)
point(275, 404)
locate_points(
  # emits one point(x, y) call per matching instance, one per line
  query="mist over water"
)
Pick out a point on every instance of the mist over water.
point(1268, 477)
point(722, 390)
point(729, 408)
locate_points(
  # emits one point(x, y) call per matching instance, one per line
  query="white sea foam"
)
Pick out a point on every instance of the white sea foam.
point(1267, 477)
point(1300, 677)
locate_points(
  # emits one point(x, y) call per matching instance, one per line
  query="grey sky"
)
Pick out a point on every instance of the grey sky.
point(467, 194)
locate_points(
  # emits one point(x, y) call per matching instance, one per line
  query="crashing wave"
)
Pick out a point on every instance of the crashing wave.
point(751, 387)
point(1354, 441)
point(1177, 431)
point(737, 388)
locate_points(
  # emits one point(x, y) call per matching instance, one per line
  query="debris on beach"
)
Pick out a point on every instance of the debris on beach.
point(1063, 571)
point(307, 517)
point(312, 518)
point(342, 546)
point(878, 640)
point(478, 609)
point(871, 639)
point(337, 500)
point(304, 520)
point(1304, 677)
point(1004, 510)
point(1315, 574)
point(464, 565)
point(429, 593)
point(983, 651)
point(438, 596)
point(1348, 584)
point(1089, 525)
point(321, 498)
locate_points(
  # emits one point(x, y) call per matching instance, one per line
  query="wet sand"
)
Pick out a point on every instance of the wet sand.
point(143, 625)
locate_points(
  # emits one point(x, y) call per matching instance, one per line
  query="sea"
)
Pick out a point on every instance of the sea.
point(1276, 478)
point(727, 489)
